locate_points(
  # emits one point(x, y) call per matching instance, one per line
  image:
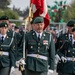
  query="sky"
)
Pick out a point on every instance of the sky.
point(22, 4)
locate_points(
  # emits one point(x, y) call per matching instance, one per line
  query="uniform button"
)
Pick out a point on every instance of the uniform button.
point(38, 50)
point(38, 43)
point(8, 30)
point(7, 37)
point(44, 35)
point(38, 47)
point(31, 46)
point(1, 48)
point(13, 47)
point(68, 50)
point(73, 48)
point(73, 52)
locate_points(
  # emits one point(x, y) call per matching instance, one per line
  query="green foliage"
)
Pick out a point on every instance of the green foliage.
point(11, 14)
point(1, 12)
point(4, 4)
point(70, 12)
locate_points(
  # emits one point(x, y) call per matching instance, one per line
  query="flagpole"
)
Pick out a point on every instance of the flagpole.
point(30, 12)
point(30, 17)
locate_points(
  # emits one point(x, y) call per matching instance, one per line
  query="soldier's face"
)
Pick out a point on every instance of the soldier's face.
point(7, 21)
point(39, 27)
point(70, 29)
point(3, 30)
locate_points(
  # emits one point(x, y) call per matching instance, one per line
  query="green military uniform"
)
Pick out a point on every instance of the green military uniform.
point(43, 47)
point(16, 36)
point(65, 36)
point(7, 53)
point(63, 49)
point(40, 53)
point(67, 50)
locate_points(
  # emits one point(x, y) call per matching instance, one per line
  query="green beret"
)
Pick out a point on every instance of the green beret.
point(71, 23)
point(16, 27)
point(38, 20)
point(3, 24)
point(73, 29)
point(4, 18)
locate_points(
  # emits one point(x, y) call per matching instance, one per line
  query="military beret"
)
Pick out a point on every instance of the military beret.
point(3, 24)
point(71, 23)
point(4, 18)
point(73, 29)
point(16, 27)
point(38, 20)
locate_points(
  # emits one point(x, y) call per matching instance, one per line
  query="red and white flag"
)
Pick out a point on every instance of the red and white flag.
point(39, 8)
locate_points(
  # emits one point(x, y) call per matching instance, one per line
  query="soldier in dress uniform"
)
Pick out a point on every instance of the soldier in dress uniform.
point(60, 43)
point(7, 51)
point(11, 33)
point(67, 54)
point(40, 50)
point(65, 36)
point(20, 52)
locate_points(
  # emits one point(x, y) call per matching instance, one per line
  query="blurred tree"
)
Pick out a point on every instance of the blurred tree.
point(1, 12)
point(11, 14)
point(70, 12)
point(4, 4)
point(21, 13)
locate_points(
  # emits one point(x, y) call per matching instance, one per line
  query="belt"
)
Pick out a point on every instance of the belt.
point(38, 56)
point(70, 58)
point(4, 53)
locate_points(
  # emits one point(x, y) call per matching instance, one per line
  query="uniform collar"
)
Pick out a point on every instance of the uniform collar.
point(3, 36)
point(70, 36)
point(39, 34)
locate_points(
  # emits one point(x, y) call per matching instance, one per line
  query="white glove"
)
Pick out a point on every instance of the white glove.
point(63, 59)
point(50, 71)
point(20, 61)
point(57, 58)
point(17, 63)
point(12, 69)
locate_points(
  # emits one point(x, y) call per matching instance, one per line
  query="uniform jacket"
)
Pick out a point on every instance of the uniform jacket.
point(61, 39)
point(17, 40)
point(7, 46)
point(43, 47)
point(67, 50)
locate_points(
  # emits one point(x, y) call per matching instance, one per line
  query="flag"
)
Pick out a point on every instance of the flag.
point(39, 8)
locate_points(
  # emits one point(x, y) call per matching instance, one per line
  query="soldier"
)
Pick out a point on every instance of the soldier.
point(11, 33)
point(67, 54)
point(65, 36)
point(40, 50)
point(60, 41)
point(7, 51)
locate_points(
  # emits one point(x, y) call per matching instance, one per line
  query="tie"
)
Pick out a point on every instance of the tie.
point(71, 38)
point(39, 37)
point(2, 38)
